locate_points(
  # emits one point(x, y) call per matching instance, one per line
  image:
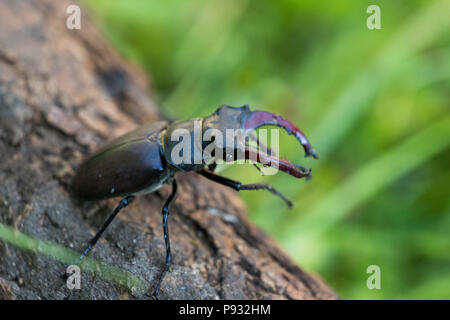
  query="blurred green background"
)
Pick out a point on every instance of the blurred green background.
point(374, 104)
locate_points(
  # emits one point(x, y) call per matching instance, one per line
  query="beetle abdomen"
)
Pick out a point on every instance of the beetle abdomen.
point(123, 167)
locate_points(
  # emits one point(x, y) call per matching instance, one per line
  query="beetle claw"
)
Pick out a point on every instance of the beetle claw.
point(301, 168)
point(227, 117)
point(254, 120)
point(258, 118)
point(306, 171)
point(283, 164)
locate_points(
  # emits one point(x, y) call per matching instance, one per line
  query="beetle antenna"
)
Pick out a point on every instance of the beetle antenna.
point(258, 168)
point(261, 145)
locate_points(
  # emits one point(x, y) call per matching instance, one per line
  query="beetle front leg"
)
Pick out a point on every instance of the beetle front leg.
point(238, 186)
point(165, 212)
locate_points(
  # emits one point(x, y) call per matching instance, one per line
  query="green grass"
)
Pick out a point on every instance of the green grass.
point(28, 243)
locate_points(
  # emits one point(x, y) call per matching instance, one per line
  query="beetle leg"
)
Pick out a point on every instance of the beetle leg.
point(123, 203)
point(238, 186)
point(165, 212)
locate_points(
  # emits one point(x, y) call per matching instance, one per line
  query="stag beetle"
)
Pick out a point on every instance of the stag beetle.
point(142, 161)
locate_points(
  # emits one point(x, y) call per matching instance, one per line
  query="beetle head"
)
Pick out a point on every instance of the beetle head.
point(243, 122)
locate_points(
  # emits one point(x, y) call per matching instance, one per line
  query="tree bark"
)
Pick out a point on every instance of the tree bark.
point(62, 94)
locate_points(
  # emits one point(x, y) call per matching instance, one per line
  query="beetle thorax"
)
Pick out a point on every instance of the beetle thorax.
point(182, 144)
point(192, 144)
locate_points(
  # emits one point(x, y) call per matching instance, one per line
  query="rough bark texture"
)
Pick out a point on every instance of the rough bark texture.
point(62, 94)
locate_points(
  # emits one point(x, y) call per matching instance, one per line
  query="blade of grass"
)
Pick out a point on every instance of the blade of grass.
point(28, 243)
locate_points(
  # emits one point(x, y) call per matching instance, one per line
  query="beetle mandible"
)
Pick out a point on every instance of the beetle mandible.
point(142, 161)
